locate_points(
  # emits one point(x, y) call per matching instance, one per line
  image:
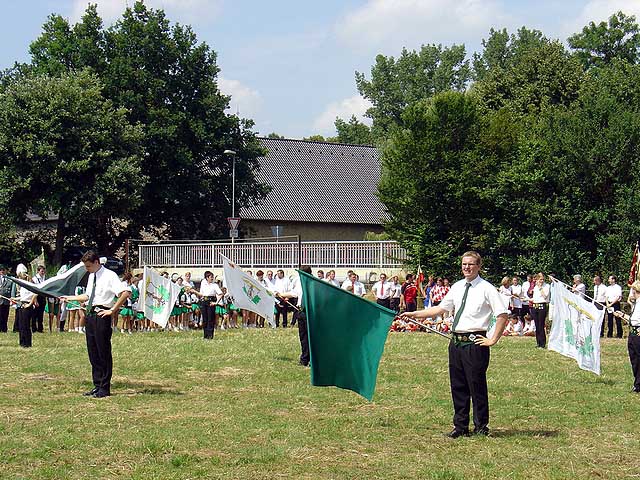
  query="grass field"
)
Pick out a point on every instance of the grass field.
point(241, 407)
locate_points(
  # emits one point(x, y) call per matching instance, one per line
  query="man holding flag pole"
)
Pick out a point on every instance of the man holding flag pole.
point(475, 302)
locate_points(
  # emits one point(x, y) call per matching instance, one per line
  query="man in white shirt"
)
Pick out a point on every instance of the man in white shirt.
point(295, 295)
point(102, 287)
point(599, 293)
point(37, 323)
point(281, 284)
point(613, 295)
point(382, 291)
point(331, 278)
point(578, 287)
point(475, 301)
point(352, 285)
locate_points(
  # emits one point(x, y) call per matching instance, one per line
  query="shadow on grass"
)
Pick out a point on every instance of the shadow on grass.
point(131, 388)
point(524, 433)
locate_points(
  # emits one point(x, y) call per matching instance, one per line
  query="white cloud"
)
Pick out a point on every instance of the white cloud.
point(182, 11)
point(244, 100)
point(356, 105)
point(599, 11)
point(391, 24)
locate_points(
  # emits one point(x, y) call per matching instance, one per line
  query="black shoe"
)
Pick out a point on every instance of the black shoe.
point(304, 364)
point(101, 394)
point(91, 392)
point(455, 433)
point(635, 390)
point(484, 431)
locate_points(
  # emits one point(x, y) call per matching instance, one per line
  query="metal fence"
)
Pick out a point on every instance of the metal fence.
point(378, 254)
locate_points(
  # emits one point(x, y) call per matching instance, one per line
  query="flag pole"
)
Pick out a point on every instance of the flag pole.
point(431, 329)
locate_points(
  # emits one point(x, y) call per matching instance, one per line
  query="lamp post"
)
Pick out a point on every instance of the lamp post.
point(233, 184)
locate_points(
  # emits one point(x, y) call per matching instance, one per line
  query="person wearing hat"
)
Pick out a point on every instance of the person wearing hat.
point(633, 343)
point(5, 291)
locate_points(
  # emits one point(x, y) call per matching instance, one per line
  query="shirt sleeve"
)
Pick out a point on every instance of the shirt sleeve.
point(117, 286)
point(495, 301)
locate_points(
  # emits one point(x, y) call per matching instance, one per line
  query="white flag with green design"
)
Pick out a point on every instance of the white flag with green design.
point(158, 295)
point(247, 292)
point(575, 331)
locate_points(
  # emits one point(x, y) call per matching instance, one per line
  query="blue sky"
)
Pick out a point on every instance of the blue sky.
point(289, 65)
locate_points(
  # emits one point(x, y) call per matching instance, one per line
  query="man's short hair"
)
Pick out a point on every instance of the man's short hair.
point(306, 269)
point(89, 256)
point(259, 273)
point(475, 255)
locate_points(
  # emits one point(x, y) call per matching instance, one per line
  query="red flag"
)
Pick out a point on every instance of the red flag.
point(633, 274)
point(420, 276)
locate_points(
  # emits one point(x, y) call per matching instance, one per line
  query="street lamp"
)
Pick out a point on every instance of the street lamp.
point(233, 184)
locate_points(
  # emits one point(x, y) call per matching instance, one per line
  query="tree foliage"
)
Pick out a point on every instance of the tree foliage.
point(599, 44)
point(413, 76)
point(167, 83)
point(65, 149)
point(535, 165)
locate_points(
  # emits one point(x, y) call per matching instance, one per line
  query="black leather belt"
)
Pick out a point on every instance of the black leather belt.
point(540, 306)
point(97, 308)
point(462, 339)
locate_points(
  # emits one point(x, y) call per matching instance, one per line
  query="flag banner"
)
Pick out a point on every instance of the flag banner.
point(62, 284)
point(635, 266)
point(39, 260)
point(575, 328)
point(247, 292)
point(158, 296)
point(347, 334)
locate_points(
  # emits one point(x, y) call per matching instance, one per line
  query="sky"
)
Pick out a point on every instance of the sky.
point(290, 64)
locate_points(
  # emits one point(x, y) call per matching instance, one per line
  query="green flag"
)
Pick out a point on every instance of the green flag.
point(346, 336)
point(62, 284)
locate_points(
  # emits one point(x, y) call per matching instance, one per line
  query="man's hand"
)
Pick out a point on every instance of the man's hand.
point(484, 341)
point(104, 313)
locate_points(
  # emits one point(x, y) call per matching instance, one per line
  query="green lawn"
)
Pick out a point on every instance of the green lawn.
point(240, 407)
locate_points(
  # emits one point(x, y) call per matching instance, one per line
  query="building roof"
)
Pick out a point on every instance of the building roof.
point(319, 182)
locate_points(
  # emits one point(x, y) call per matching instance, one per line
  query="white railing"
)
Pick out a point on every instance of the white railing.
point(380, 254)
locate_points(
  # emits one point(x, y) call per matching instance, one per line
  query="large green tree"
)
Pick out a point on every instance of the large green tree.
point(167, 82)
point(599, 44)
point(413, 76)
point(66, 150)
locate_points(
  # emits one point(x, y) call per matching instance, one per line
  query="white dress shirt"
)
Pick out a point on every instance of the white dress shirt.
point(541, 294)
point(517, 291)
point(107, 285)
point(483, 302)
point(281, 285)
point(382, 290)
point(613, 293)
point(600, 293)
point(210, 289)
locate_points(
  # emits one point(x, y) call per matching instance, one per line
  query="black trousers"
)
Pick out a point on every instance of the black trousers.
point(38, 314)
point(98, 334)
point(610, 317)
point(294, 316)
point(4, 317)
point(385, 302)
point(394, 304)
point(303, 334)
point(539, 316)
point(633, 345)
point(281, 309)
point(468, 376)
point(23, 320)
point(208, 313)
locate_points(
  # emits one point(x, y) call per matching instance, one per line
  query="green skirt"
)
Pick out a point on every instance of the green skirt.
point(220, 310)
point(176, 311)
point(126, 312)
point(56, 308)
point(139, 316)
point(195, 307)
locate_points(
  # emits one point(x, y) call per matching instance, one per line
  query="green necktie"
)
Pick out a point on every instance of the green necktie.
point(459, 312)
point(92, 296)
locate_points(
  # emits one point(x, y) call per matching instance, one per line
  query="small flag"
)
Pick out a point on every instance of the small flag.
point(62, 284)
point(158, 296)
point(635, 266)
point(247, 292)
point(346, 336)
point(575, 329)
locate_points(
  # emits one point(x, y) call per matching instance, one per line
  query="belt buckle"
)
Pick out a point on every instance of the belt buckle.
point(472, 337)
